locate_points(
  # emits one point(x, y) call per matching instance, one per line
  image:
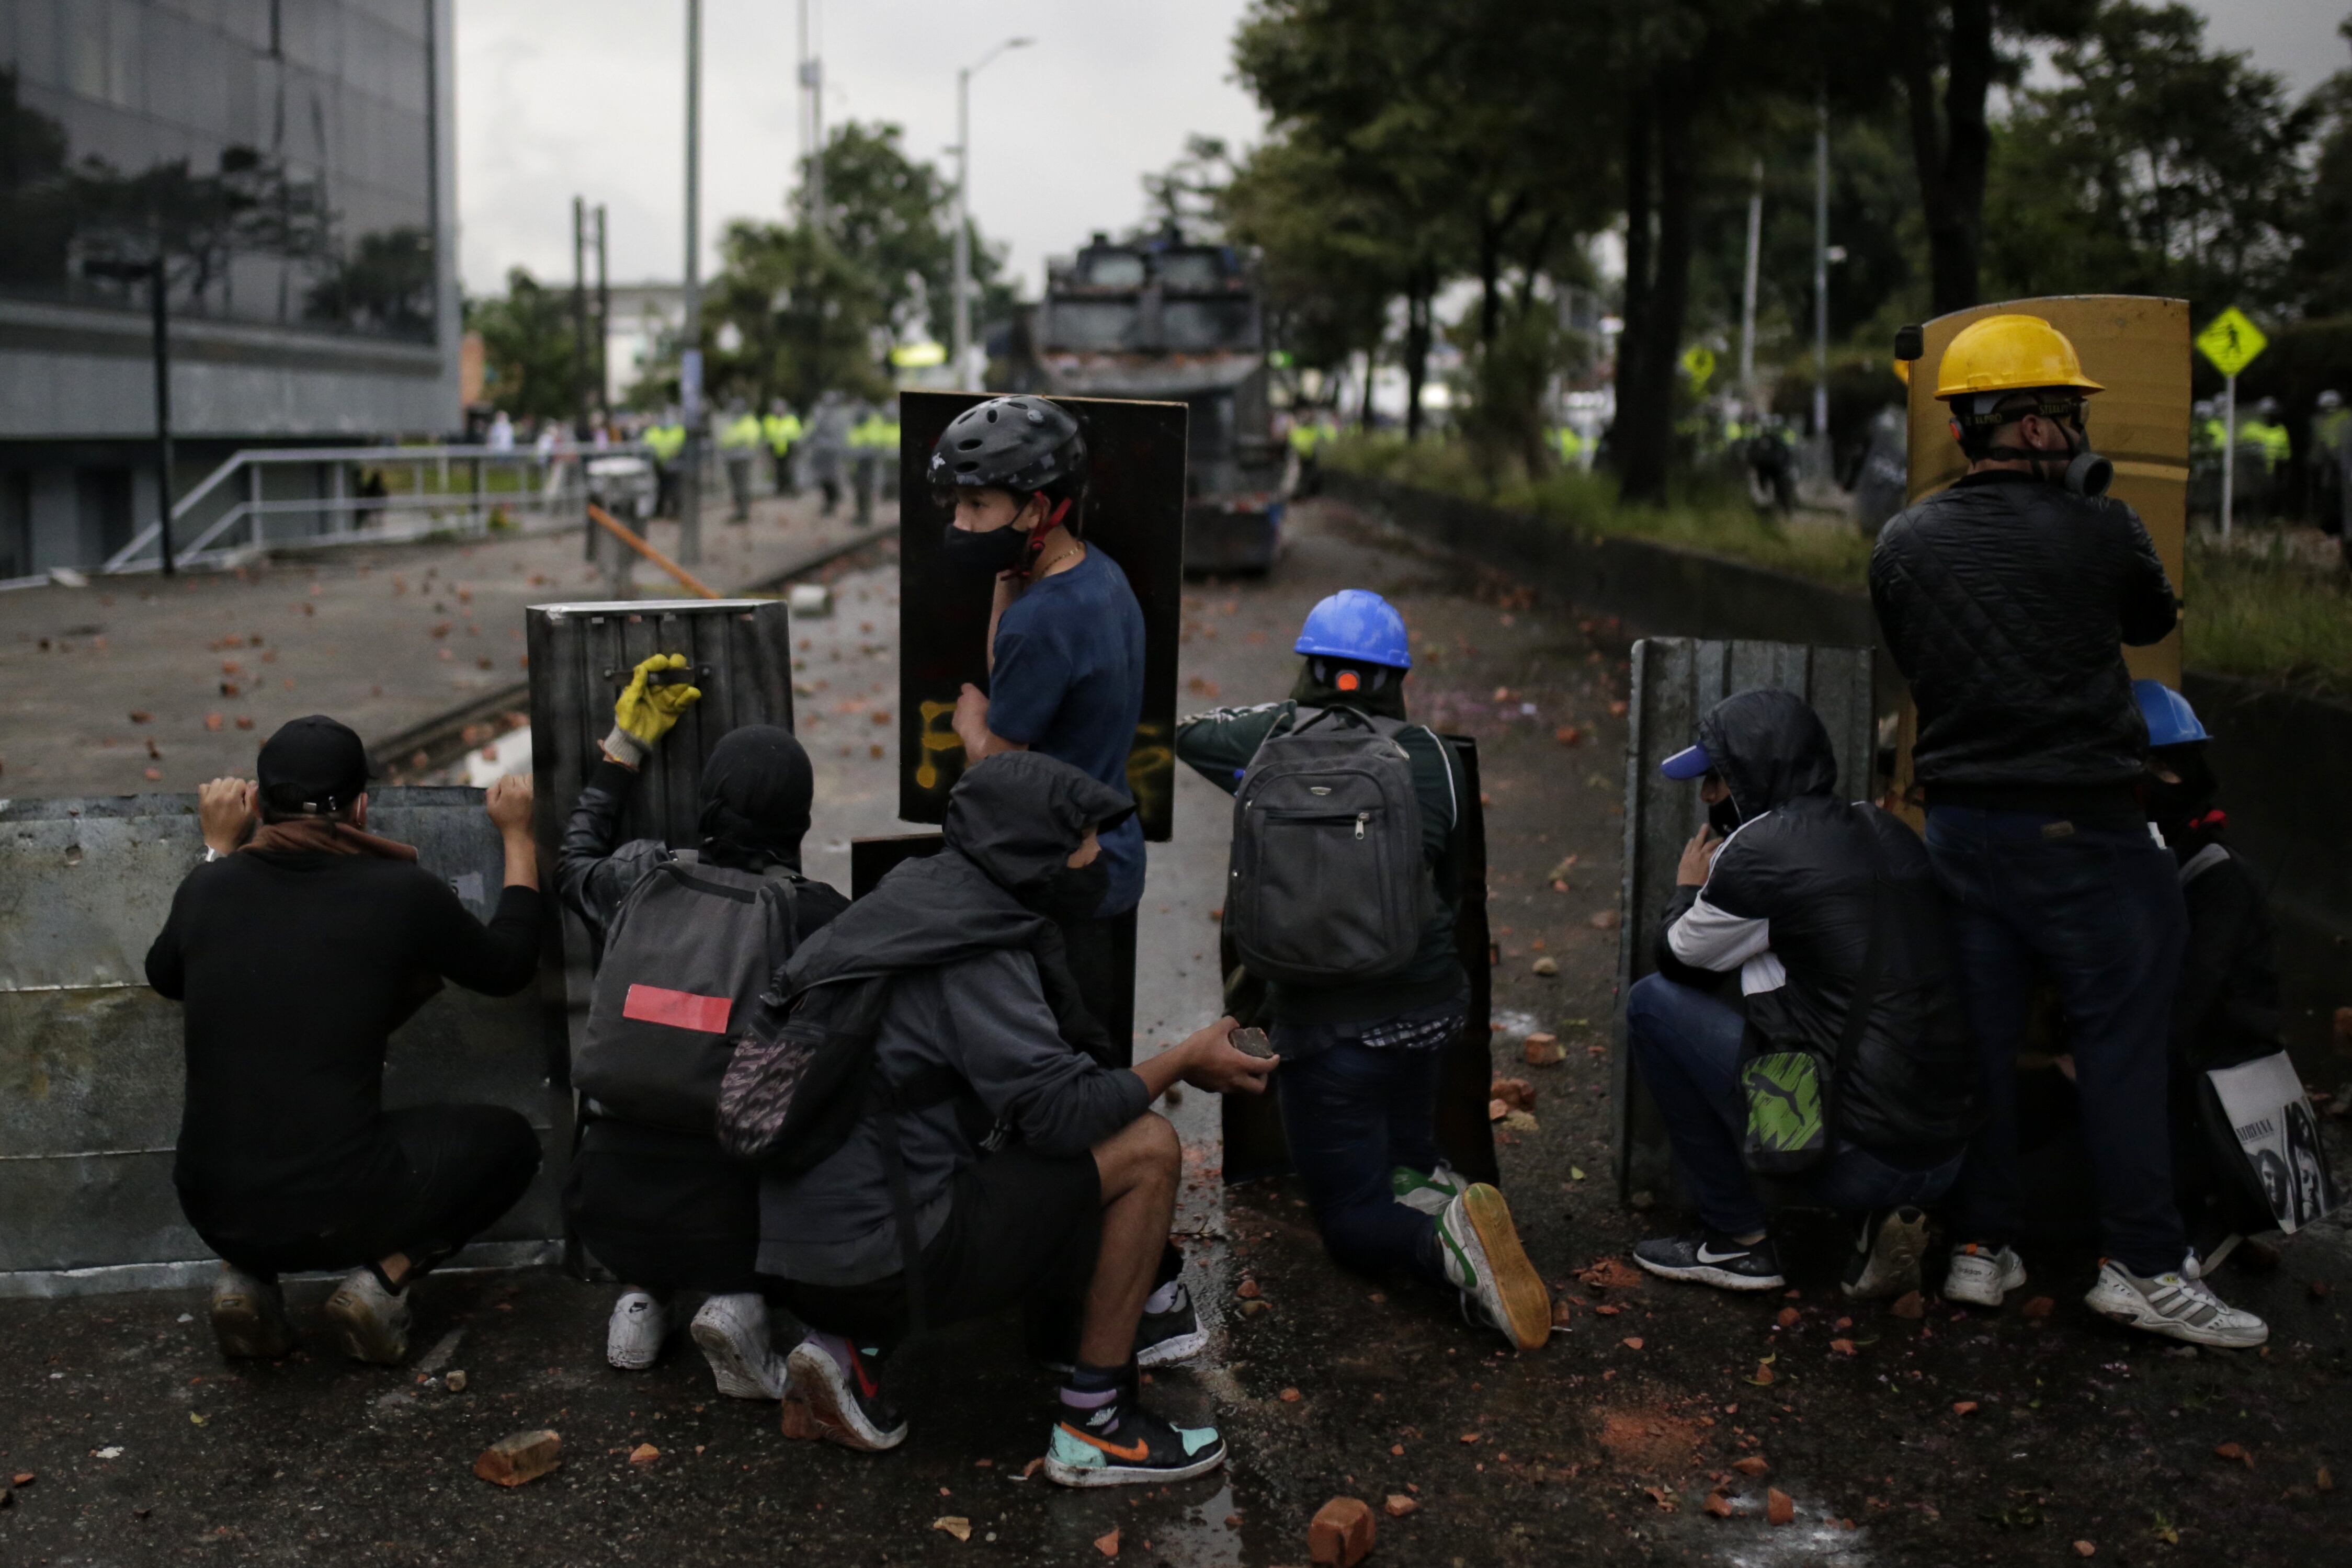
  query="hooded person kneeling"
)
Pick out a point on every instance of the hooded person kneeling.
point(681, 933)
point(943, 1142)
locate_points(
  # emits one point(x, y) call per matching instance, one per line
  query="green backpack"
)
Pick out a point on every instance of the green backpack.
point(1791, 1099)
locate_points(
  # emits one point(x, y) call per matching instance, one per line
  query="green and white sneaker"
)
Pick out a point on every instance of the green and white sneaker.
point(1124, 1445)
point(1487, 1264)
point(1430, 1191)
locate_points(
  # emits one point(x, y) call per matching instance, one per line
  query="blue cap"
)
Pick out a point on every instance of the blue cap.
point(1690, 763)
point(2171, 720)
point(1357, 624)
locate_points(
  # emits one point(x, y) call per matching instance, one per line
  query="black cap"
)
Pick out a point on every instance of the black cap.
point(314, 765)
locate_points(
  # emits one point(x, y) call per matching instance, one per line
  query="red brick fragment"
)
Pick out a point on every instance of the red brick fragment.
point(1780, 1508)
point(1340, 1535)
point(520, 1457)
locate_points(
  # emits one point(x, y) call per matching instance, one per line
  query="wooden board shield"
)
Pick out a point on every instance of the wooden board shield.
point(2135, 347)
point(1135, 514)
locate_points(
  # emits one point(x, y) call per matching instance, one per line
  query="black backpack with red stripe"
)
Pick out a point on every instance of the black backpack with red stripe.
point(689, 951)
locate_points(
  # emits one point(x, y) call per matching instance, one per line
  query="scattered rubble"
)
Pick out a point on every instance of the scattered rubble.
point(520, 1457)
point(1340, 1535)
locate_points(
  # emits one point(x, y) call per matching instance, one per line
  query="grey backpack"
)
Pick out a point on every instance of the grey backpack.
point(690, 950)
point(1327, 882)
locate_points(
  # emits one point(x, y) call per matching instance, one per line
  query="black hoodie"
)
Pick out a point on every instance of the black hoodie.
point(1788, 904)
point(979, 991)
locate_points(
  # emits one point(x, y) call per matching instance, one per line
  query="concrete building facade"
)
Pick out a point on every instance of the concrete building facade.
point(292, 161)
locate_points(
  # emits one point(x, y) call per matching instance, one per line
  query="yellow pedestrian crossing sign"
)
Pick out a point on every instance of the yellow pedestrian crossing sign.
point(2232, 342)
point(1698, 363)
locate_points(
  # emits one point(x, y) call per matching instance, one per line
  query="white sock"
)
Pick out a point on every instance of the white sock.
point(1164, 1299)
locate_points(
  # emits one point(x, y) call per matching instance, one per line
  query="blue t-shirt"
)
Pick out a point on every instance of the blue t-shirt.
point(1069, 682)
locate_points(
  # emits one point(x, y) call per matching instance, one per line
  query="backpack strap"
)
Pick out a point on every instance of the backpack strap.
point(1864, 994)
point(887, 1101)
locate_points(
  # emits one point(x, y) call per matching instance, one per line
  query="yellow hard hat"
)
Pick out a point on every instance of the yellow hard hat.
point(2011, 354)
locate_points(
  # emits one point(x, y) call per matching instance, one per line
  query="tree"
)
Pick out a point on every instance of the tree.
point(805, 314)
point(2322, 270)
point(2149, 166)
point(528, 349)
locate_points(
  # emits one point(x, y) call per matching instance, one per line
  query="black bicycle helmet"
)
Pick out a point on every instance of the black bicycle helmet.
point(1020, 444)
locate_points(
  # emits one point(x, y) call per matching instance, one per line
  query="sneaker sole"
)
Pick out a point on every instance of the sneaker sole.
point(246, 1331)
point(729, 1369)
point(1526, 1303)
point(2133, 1314)
point(829, 1406)
point(1989, 1295)
point(1180, 1347)
point(1065, 1475)
point(1721, 1278)
point(361, 1336)
point(799, 1423)
point(630, 1361)
point(1893, 1267)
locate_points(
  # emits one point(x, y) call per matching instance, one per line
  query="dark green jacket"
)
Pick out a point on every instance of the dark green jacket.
point(1219, 744)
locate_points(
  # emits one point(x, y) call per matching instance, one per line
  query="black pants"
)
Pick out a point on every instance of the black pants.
point(466, 1165)
point(1102, 960)
point(1022, 1229)
point(665, 1210)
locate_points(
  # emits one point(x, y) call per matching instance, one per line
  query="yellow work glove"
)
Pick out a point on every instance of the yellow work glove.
point(645, 712)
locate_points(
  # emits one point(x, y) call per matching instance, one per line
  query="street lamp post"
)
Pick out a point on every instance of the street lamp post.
point(689, 378)
point(158, 280)
point(962, 204)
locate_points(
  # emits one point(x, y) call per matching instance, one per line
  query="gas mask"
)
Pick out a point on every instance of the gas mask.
point(2087, 473)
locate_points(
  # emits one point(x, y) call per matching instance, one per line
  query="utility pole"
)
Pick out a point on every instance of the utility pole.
point(1822, 277)
point(579, 315)
point(689, 378)
point(603, 328)
point(812, 77)
point(1748, 290)
point(962, 346)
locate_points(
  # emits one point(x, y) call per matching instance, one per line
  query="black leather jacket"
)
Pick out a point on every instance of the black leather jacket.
point(2004, 600)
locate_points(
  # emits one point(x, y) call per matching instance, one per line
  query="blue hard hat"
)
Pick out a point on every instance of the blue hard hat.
point(1690, 763)
point(1357, 623)
point(2171, 720)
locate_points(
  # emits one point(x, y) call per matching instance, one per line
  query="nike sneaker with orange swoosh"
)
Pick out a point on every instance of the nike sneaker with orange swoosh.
point(1124, 1445)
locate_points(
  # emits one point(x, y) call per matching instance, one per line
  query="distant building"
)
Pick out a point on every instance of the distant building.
point(643, 327)
point(294, 163)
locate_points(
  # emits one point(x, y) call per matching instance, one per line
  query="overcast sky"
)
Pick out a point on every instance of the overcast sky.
point(558, 97)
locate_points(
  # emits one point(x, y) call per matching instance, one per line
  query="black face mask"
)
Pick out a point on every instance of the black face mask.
point(969, 554)
point(1072, 892)
point(2173, 806)
point(1723, 815)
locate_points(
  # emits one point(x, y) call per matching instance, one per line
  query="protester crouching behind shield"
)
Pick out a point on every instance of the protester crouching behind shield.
point(1364, 1055)
point(2003, 600)
point(993, 1161)
point(298, 947)
point(1828, 912)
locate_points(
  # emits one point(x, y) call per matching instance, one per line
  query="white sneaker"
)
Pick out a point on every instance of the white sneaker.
point(371, 1323)
point(1428, 1193)
point(1483, 1258)
point(733, 1331)
point(632, 1339)
point(1980, 1278)
point(2170, 1305)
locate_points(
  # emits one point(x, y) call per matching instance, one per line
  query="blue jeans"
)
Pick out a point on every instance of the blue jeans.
point(1352, 1113)
point(1686, 1045)
point(2097, 911)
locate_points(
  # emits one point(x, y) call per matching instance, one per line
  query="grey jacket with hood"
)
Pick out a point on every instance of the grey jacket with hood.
point(981, 1004)
point(1787, 904)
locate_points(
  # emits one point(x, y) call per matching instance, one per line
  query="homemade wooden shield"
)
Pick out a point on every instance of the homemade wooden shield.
point(2135, 347)
point(1253, 1140)
point(92, 1066)
point(739, 654)
point(1676, 681)
point(1135, 514)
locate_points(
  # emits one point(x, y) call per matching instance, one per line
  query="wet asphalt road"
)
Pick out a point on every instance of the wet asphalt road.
point(1602, 1446)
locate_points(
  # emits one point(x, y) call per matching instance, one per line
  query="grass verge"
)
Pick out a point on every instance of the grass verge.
point(1824, 550)
point(2265, 614)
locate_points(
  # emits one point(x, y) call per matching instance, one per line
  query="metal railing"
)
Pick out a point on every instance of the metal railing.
point(312, 497)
